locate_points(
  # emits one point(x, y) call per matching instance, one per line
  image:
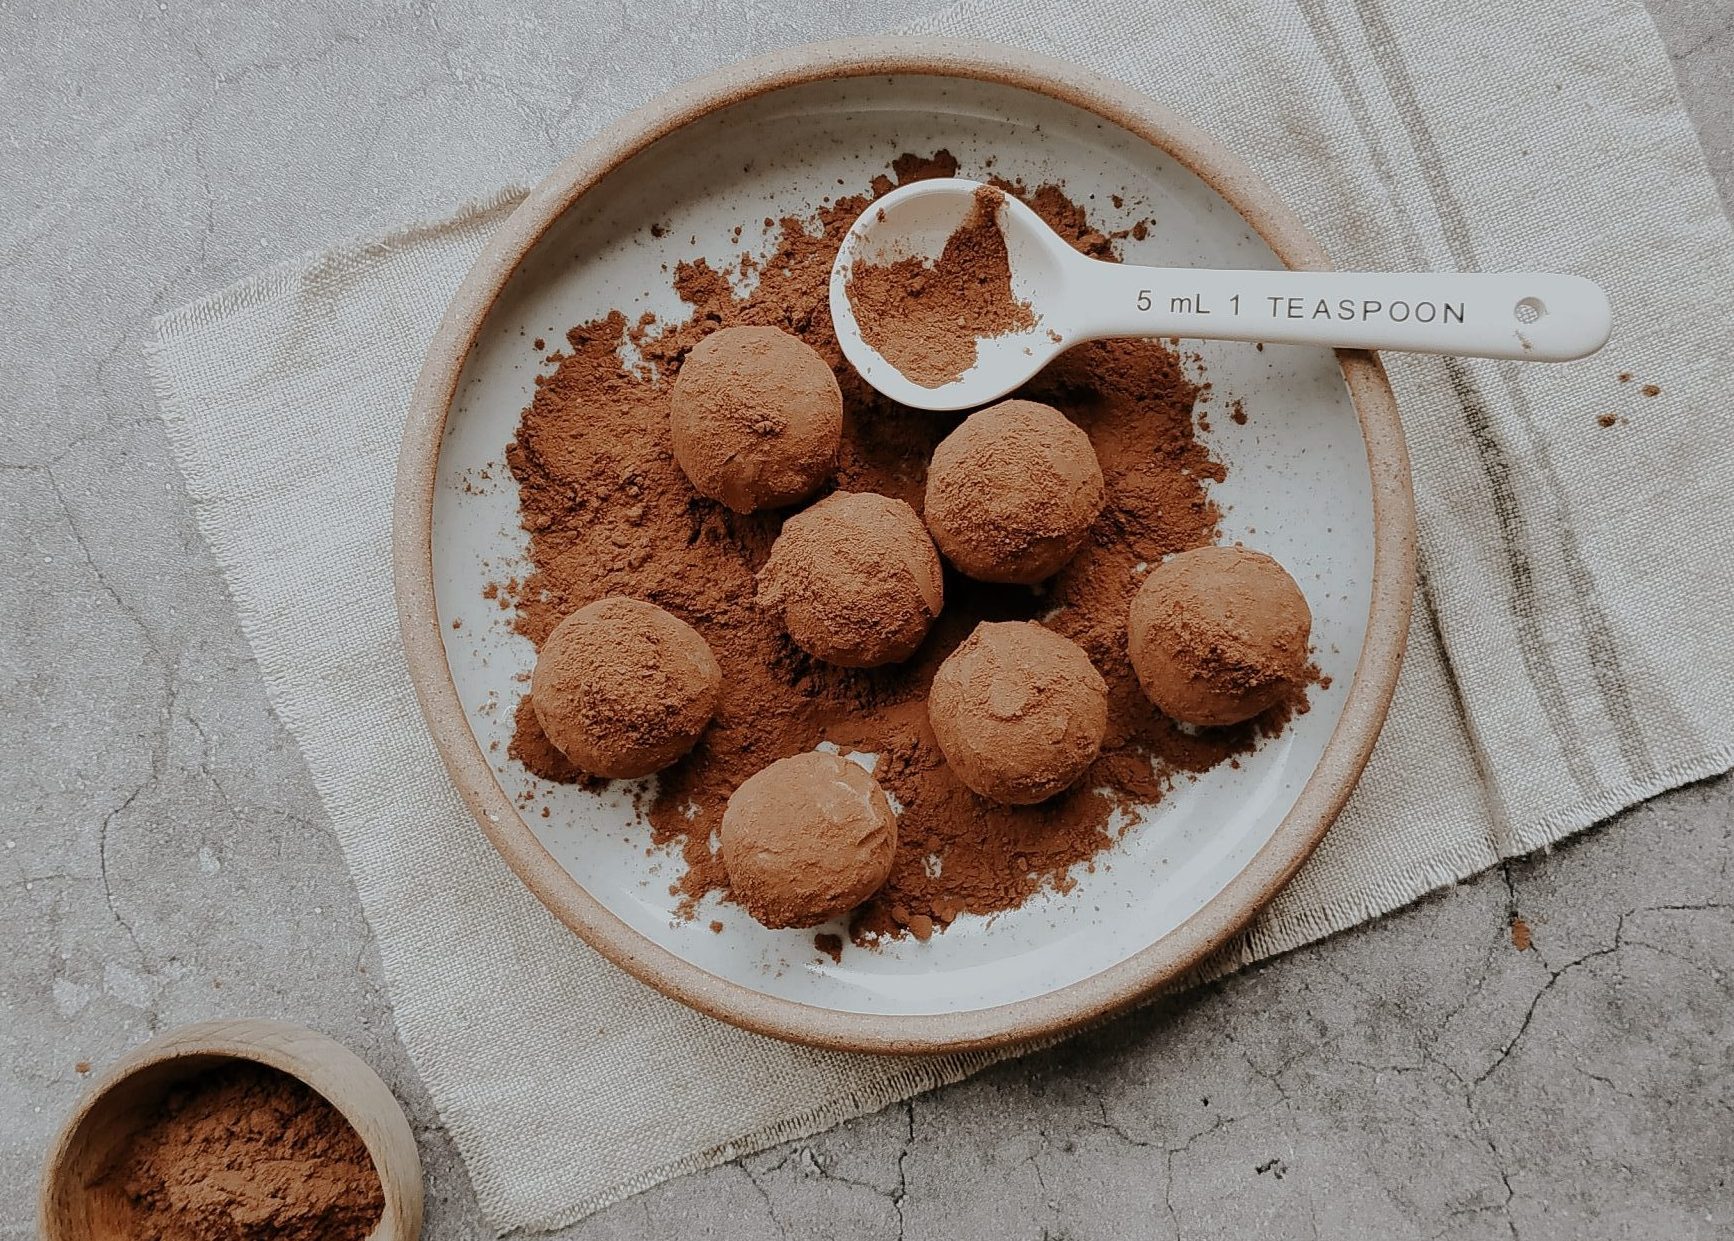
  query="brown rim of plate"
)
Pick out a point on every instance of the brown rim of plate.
point(1111, 989)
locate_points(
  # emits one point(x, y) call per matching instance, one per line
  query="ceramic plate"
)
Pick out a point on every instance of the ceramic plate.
point(1317, 471)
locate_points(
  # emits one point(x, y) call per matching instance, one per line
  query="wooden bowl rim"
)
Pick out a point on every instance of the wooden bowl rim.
point(1111, 989)
point(321, 1063)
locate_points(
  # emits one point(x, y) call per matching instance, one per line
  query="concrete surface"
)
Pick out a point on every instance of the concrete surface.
point(165, 859)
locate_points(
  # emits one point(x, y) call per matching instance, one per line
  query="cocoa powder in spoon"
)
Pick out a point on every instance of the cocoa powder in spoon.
point(608, 512)
point(925, 316)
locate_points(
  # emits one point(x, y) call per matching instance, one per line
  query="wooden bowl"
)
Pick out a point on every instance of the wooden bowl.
point(75, 1208)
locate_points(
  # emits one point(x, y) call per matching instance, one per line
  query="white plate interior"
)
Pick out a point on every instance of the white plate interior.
point(1298, 487)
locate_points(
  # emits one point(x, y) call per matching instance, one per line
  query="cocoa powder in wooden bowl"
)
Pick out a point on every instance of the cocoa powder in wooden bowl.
point(235, 1131)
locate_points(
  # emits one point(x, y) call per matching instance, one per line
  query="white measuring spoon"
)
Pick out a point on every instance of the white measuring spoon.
point(1525, 316)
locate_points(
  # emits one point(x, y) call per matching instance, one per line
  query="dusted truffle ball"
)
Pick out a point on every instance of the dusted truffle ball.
point(806, 839)
point(756, 417)
point(1019, 711)
point(623, 689)
point(1012, 493)
point(1219, 634)
point(854, 579)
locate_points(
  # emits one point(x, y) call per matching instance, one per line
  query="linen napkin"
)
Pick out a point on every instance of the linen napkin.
point(1568, 654)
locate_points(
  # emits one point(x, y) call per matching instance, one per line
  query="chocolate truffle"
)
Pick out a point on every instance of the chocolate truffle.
point(1218, 634)
point(1019, 711)
point(806, 839)
point(854, 579)
point(756, 418)
point(623, 689)
point(1012, 493)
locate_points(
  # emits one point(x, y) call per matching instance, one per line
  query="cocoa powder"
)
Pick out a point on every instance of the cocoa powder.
point(609, 512)
point(246, 1153)
point(925, 317)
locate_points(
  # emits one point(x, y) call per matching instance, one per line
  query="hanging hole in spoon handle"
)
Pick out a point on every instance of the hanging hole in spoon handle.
point(1525, 316)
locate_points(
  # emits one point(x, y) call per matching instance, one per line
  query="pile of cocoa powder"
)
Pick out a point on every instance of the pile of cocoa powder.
point(246, 1153)
point(610, 513)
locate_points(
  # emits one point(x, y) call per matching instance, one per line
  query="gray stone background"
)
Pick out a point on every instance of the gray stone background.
point(165, 858)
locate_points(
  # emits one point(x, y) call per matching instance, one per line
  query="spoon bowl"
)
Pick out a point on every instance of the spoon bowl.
point(1519, 316)
point(917, 220)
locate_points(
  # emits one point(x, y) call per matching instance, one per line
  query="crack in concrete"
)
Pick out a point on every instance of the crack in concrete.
point(1473, 990)
point(169, 669)
point(902, 1189)
point(104, 427)
point(770, 1206)
point(469, 75)
point(1168, 1192)
point(271, 64)
point(1171, 1152)
point(1033, 1162)
point(102, 864)
point(1510, 888)
point(1504, 1207)
point(206, 768)
point(1621, 941)
point(1554, 975)
point(837, 1178)
point(1606, 1081)
point(1260, 1070)
point(1709, 37)
point(1716, 977)
point(126, 609)
point(1119, 1132)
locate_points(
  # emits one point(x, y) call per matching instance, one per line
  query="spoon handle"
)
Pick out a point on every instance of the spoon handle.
point(1527, 316)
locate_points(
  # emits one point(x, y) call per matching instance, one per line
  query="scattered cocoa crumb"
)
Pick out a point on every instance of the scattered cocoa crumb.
point(1237, 411)
point(539, 344)
point(830, 945)
point(1607, 420)
point(716, 928)
point(1520, 938)
point(658, 230)
point(82, 1067)
point(1626, 377)
point(1651, 390)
